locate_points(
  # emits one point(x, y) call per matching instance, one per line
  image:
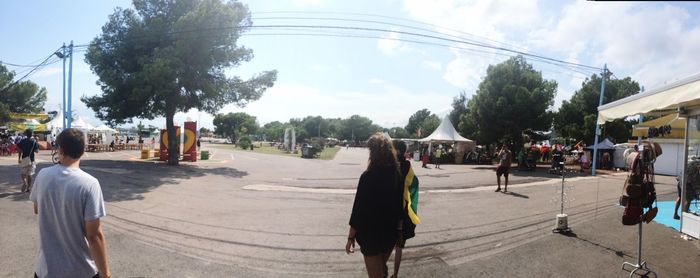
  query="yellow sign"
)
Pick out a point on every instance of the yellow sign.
point(28, 116)
point(24, 126)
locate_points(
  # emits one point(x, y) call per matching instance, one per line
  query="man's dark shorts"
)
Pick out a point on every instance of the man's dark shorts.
point(502, 170)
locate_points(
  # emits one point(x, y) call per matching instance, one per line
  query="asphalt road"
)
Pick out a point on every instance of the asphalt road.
point(244, 214)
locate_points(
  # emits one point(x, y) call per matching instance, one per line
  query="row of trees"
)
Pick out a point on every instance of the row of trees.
point(236, 125)
point(514, 97)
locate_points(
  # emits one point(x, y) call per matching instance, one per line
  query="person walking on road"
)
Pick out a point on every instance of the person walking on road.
point(69, 206)
point(410, 204)
point(27, 166)
point(438, 157)
point(505, 157)
point(375, 221)
point(425, 159)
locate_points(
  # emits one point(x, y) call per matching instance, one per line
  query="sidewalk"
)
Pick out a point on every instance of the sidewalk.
point(596, 248)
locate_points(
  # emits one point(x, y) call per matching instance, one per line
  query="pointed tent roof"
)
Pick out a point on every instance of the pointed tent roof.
point(105, 128)
point(80, 123)
point(603, 145)
point(445, 132)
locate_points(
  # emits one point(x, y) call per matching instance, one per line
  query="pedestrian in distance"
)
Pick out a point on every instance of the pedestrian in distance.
point(27, 165)
point(438, 157)
point(410, 205)
point(584, 161)
point(69, 206)
point(376, 217)
point(425, 159)
point(505, 159)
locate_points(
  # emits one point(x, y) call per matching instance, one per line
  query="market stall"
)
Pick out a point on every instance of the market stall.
point(446, 133)
point(682, 100)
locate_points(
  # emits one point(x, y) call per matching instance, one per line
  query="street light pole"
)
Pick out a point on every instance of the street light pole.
point(63, 51)
point(597, 126)
point(70, 84)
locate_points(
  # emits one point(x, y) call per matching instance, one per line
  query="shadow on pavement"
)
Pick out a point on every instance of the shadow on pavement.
point(511, 193)
point(121, 180)
point(617, 252)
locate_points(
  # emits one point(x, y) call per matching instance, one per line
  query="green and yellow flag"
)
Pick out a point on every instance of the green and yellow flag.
point(410, 196)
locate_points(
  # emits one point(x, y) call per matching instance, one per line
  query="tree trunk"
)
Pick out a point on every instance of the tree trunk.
point(172, 137)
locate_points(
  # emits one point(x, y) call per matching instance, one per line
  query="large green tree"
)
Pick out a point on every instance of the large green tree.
point(512, 97)
point(423, 120)
point(359, 128)
point(163, 56)
point(576, 117)
point(22, 97)
point(273, 131)
point(235, 125)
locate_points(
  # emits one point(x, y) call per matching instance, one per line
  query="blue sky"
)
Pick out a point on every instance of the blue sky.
point(385, 79)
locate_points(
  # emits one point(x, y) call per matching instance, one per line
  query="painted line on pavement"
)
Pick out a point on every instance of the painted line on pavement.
point(286, 188)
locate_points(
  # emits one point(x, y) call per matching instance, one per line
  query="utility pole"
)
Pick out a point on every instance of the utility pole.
point(70, 85)
point(597, 126)
point(63, 107)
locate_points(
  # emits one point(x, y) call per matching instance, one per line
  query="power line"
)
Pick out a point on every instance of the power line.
point(40, 65)
point(392, 18)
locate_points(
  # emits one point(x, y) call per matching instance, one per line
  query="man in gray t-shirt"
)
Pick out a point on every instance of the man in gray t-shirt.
point(69, 204)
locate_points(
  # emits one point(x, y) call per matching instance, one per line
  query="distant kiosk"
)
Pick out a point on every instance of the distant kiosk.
point(290, 140)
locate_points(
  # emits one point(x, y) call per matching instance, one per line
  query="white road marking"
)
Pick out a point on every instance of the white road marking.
point(285, 188)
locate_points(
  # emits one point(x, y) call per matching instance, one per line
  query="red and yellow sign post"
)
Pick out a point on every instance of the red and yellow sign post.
point(190, 148)
point(164, 143)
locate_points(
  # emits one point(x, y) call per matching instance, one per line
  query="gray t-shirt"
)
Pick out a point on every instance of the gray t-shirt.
point(66, 197)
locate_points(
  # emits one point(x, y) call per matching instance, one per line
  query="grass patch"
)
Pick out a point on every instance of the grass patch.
point(326, 154)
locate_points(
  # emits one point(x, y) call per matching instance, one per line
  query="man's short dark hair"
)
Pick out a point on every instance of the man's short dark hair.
point(72, 141)
point(28, 132)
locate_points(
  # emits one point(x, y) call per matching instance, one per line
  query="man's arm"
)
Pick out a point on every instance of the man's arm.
point(98, 246)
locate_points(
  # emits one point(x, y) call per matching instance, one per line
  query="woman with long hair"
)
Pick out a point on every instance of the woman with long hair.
point(376, 218)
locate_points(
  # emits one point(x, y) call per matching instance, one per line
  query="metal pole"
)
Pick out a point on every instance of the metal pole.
point(597, 126)
point(562, 192)
point(70, 84)
point(639, 245)
point(63, 107)
point(685, 166)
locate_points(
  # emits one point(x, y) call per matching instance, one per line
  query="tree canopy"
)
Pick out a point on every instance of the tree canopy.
point(22, 97)
point(577, 117)
point(511, 98)
point(425, 121)
point(235, 125)
point(162, 57)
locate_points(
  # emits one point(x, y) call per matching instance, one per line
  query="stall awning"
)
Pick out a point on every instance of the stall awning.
point(683, 93)
point(677, 126)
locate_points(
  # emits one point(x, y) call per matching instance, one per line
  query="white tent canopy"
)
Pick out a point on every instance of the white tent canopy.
point(104, 128)
point(445, 132)
point(683, 93)
point(80, 123)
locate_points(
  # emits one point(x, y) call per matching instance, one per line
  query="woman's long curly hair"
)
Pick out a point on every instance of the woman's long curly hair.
point(381, 152)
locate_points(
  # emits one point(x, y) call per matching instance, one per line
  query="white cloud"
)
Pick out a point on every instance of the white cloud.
point(651, 43)
point(432, 65)
point(484, 21)
point(308, 2)
point(319, 67)
point(391, 46)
